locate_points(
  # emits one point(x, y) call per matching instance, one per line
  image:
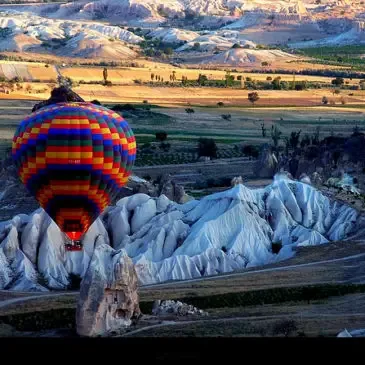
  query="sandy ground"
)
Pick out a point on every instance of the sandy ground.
point(202, 96)
point(128, 75)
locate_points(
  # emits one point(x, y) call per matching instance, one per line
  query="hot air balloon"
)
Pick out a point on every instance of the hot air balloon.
point(73, 158)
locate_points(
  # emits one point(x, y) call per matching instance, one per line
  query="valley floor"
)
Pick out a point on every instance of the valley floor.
point(336, 271)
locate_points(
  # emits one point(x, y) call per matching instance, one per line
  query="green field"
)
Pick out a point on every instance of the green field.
point(341, 56)
point(184, 130)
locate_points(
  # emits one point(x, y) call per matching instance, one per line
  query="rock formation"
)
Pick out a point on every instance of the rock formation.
point(266, 164)
point(222, 232)
point(108, 295)
point(165, 307)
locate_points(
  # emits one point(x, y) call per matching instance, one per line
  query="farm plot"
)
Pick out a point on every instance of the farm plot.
point(127, 75)
point(42, 73)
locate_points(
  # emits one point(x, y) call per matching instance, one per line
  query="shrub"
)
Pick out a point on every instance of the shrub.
point(207, 147)
point(276, 247)
point(250, 150)
point(253, 97)
point(74, 282)
point(325, 100)
point(220, 104)
point(161, 136)
point(226, 116)
point(285, 327)
point(165, 146)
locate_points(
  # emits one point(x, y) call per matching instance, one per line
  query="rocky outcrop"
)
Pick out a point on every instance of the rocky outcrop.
point(166, 307)
point(222, 232)
point(108, 295)
point(267, 163)
point(165, 186)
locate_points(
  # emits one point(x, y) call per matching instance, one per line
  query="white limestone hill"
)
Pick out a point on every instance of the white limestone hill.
point(18, 43)
point(354, 36)
point(173, 35)
point(248, 57)
point(220, 233)
point(25, 31)
point(93, 45)
point(127, 10)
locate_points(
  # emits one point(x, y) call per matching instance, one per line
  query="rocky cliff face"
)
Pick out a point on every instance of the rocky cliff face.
point(108, 295)
point(165, 240)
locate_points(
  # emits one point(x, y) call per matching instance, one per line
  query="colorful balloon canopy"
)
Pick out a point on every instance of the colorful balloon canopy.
point(73, 157)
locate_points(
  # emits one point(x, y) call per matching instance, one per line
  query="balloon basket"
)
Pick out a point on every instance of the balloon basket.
point(73, 245)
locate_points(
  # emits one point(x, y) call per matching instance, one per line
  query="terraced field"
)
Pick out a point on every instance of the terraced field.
point(27, 71)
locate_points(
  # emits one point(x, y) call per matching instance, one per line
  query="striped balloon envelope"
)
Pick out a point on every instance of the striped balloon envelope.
point(73, 158)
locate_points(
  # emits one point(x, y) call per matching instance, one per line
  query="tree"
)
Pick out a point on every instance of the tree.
point(356, 131)
point(173, 76)
point(105, 75)
point(220, 104)
point(336, 156)
point(338, 81)
point(184, 80)
point(202, 79)
point(305, 141)
point(161, 136)
point(253, 97)
point(276, 83)
point(285, 327)
point(325, 100)
point(152, 76)
point(263, 130)
point(189, 110)
point(250, 150)
point(294, 139)
point(275, 135)
point(196, 46)
point(315, 138)
point(168, 51)
point(207, 147)
point(229, 79)
point(264, 63)
point(336, 91)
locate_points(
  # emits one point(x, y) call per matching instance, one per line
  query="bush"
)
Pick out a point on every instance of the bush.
point(325, 100)
point(123, 107)
point(220, 104)
point(161, 136)
point(251, 150)
point(165, 146)
point(276, 247)
point(285, 327)
point(226, 116)
point(253, 97)
point(74, 282)
point(207, 147)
